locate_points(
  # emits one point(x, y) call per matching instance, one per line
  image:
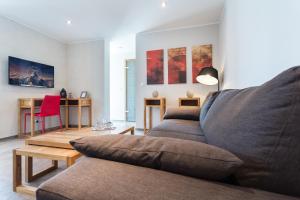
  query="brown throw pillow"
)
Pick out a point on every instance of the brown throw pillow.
point(185, 157)
point(183, 113)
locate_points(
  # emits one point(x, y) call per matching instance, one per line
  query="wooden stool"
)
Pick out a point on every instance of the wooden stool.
point(30, 152)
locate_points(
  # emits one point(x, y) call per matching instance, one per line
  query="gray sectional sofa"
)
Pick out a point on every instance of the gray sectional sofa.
point(260, 125)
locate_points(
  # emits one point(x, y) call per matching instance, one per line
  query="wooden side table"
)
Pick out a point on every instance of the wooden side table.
point(30, 152)
point(153, 103)
point(189, 102)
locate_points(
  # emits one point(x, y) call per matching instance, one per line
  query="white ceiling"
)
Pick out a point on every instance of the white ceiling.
point(96, 19)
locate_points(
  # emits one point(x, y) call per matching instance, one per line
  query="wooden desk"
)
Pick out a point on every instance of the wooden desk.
point(33, 103)
point(152, 103)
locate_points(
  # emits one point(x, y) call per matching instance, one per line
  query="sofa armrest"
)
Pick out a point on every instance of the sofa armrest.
point(183, 113)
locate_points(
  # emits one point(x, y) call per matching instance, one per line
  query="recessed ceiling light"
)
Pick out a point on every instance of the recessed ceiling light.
point(163, 4)
point(69, 22)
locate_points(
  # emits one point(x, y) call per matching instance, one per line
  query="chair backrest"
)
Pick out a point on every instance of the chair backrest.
point(50, 105)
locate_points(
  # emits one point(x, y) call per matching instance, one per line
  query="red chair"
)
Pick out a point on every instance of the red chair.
point(50, 107)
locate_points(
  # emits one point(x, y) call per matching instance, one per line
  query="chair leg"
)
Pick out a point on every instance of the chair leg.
point(40, 124)
point(43, 123)
point(60, 122)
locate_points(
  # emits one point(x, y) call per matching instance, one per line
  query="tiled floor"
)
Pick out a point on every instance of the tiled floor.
point(6, 148)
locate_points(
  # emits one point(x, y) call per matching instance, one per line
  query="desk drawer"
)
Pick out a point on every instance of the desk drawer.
point(85, 102)
point(25, 103)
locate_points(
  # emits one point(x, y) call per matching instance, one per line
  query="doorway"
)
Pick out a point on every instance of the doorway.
point(121, 88)
point(130, 90)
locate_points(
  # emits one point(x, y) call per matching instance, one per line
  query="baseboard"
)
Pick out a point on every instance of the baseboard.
point(39, 132)
point(139, 129)
point(46, 130)
point(57, 128)
point(75, 126)
point(8, 138)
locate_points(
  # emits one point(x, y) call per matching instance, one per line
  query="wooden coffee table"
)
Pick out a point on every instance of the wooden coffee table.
point(54, 146)
point(62, 139)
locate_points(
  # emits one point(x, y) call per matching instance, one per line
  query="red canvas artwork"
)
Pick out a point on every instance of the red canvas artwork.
point(201, 57)
point(177, 65)
point(155, 67)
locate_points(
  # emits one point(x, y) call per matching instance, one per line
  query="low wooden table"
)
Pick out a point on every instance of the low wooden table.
point(62, 139)
point(31, 151)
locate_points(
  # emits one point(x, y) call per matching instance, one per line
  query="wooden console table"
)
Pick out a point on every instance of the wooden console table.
point(153, 103)
point(33, 103)
point(189, 102)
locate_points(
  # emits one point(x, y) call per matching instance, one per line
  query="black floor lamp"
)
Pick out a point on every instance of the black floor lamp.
point(208, 76)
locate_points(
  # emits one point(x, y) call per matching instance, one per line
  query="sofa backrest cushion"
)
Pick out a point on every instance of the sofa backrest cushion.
point(261, 125)
point(185, 157)
point(206, 105)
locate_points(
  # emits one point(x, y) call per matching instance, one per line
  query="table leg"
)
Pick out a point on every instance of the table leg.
point(17, 171)
point(29, 176)
point(90, 115)
point(19, 120)
point(55, 164)
point(161, 111)
point(150, 117)
point(132, 131)
point(32, 118)
point(79, 114)
point(28, 169)
point(70, 162)
point(145, 119)
point(17, 177)
point(66, 115)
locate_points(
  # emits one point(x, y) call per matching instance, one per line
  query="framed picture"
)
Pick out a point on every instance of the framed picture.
point(155, 67)
point(177, 65)
point(83, 94)
point(201, 57)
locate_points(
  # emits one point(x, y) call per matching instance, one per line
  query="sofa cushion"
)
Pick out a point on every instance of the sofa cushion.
point(93, 179)
point(177, 128)
point(190, 158)
point(261, 126)
point(211, 97)
point(183, 113)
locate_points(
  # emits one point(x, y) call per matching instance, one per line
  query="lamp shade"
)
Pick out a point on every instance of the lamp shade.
point(208, 76)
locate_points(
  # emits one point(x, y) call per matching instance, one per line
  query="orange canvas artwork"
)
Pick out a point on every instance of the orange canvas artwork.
point(177, 65)
point(201, 57)
point(155, 67)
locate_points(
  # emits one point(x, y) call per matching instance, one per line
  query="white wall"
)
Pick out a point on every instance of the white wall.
point(78, 67)
point(18, 41)
point(259, 39)
point(106, 85)
point(85, 63)
point(165, 40)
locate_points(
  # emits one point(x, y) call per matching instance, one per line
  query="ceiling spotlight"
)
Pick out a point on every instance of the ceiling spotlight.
point(69, 22)
point(163, 4)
